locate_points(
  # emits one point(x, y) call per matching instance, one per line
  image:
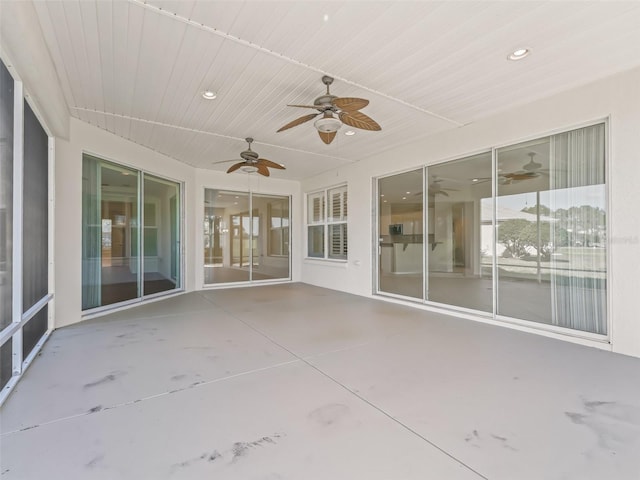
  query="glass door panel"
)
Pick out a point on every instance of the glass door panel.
point(119, 234)
point(270, 237)
point(459, 232)
point(227, 236)
point(400, 235)
point(110, 237)
point(161, 233)
point(551, 218)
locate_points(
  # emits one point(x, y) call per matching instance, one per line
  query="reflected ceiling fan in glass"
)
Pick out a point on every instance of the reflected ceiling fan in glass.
point(436, 187)
point(529, 171)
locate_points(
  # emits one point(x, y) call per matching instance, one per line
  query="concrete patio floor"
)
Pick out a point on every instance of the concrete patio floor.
point(297, 382)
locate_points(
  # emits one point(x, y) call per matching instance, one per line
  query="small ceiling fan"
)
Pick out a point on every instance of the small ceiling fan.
point(335, 111)
point(250, 162)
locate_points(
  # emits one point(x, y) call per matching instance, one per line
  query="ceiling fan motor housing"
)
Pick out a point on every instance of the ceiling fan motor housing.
point(326, 102)
point(249, 156)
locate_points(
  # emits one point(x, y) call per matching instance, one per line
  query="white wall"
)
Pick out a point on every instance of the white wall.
point(616, 98)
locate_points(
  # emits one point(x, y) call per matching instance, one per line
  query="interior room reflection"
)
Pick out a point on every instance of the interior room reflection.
point(246, 238)
point(460, 233)
point(401, 234)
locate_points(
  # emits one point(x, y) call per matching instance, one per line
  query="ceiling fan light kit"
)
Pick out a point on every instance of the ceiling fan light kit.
point(327, 124)
point(327, 105)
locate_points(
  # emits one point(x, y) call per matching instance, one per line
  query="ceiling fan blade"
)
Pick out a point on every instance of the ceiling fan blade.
point(226, 161)
point(350, 104)
point(317, 107)
point(269, 163)
point(262, 169)
point(235, 167)
point(359, 120)
point(521, 175)
point(327, 137)
point(298, 121)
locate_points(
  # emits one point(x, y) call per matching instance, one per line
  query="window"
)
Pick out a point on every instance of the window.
point(327, 224)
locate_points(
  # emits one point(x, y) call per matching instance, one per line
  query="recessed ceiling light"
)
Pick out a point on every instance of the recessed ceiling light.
point(326, 17)
point(519, 54)
point(382, 194)
point(209, 95)
point(404, 198)
point(384, 201)
point(350, 133)
point(475, 179)
point(408, 193)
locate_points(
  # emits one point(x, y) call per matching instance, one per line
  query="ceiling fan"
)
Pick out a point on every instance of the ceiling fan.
point(250, 162)
point(335, 111)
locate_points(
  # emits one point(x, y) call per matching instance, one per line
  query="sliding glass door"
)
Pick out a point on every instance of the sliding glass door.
point(518, 233)
point(246, 237)
point(130, 234)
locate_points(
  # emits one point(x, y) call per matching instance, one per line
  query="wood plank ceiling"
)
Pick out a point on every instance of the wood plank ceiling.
point(137, 69)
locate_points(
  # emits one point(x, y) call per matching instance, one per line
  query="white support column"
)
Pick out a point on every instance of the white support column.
point(51, 216)
point(494, 229)
point(426, 246)
point(18, 187)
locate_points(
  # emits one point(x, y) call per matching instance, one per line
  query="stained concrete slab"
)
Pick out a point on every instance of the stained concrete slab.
point(294, 381)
